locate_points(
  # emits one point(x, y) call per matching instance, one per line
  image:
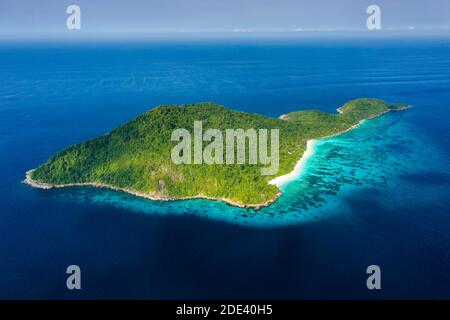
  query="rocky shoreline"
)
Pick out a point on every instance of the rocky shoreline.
point(41, 185)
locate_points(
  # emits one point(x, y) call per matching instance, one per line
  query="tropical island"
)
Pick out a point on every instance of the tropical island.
point(136, 157)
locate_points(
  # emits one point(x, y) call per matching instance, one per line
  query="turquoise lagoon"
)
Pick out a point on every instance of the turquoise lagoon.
point(375, 155)
point(379, 194)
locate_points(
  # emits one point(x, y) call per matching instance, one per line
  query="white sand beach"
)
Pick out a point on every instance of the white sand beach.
point(281, 180)
point(278, 181)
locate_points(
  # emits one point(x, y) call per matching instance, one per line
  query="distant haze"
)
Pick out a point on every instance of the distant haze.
point(102, 17)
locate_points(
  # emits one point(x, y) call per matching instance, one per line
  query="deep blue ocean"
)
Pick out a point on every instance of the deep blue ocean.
point(379, 194)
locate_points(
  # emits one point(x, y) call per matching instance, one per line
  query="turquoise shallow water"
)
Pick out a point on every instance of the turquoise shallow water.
point(376, 155)
point(379, 194)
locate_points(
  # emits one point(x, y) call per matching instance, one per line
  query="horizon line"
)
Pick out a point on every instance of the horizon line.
point(236, 33)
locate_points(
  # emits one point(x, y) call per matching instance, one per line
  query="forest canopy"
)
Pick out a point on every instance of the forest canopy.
point(137, 155)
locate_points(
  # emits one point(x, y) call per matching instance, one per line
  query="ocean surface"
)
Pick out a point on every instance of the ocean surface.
point(379, 194)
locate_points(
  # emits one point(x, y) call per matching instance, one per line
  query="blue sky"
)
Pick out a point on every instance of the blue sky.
point(102, 17)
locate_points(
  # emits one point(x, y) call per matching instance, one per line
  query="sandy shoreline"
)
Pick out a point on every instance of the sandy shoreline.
point(281, 180)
